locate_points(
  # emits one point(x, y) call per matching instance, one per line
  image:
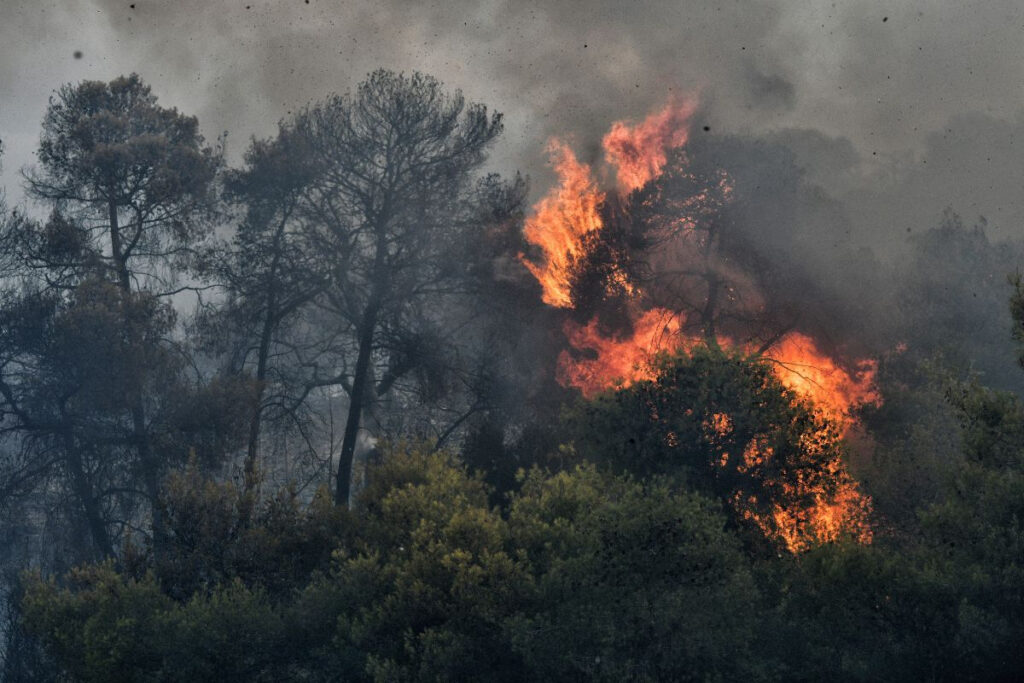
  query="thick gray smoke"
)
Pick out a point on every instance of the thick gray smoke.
point(887, 88)
point(889, 112)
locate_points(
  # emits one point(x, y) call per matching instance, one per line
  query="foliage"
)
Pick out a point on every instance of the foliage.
point(702, 524)
point(590, 574)
point(952, 294)
point(1017, 314)
point(93, 391)
point(104, 627)
point(727, 426)
point(634, 581)
point(583, 574)
point(976, 531)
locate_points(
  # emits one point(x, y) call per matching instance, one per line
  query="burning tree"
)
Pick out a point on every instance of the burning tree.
point(658, 267)
point(726, 424)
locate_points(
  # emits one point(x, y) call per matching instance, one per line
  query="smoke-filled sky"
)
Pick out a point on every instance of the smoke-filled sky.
point(897, 109)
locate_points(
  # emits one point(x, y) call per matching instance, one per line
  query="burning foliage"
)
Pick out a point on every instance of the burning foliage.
point(654, 269)
point(560, 223)
point(728, 425)
point(639, 152)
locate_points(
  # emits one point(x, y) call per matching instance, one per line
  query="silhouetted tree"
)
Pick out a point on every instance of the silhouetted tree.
point(388, 209)
point(271, 275)
point(1017, 314)
point(89, 376)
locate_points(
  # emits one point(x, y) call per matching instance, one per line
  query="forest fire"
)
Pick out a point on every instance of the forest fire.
point(559, 223)
point(360, 387)
point(802, 367)
point(570, 215)
point(617, 361)
point(795, 358)
point(638, 153)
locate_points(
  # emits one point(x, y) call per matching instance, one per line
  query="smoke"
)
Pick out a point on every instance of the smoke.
point(849, 126)
point(886, 79)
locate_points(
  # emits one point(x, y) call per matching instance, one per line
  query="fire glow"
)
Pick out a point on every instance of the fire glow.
point(795, 358)
point(571, 213)
point(638, 153)
point(559, 223)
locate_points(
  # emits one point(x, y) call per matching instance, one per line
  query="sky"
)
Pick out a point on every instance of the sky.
point(895, 109)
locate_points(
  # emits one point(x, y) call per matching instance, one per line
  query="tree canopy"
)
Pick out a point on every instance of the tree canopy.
point(301, 419)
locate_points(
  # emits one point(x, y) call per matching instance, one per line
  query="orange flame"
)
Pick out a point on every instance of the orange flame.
point(796, 359)
point(800, 366)
point(616, 362)
point(639, 152)
point(570, 211)
point(829, 518)
point(844, 511)
point(560, 222)
point(559, 226)
point(805, 370)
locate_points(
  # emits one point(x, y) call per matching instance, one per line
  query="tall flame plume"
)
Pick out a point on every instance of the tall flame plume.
point(559, 223)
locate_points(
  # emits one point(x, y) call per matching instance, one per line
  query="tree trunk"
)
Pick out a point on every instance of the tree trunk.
point(84, 493)
point(252, 450)
point(263, 353)
point(124, 279)
point(150, 468)
point(710, 311)
point(355, 406)
point(714, 283)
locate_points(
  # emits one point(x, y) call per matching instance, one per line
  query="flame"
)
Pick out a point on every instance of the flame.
point(603, 362)
point(559, 223)
point(563, 218)
point(806, 370)
point(827, 520)
point(838, 506)
point(639, 152)
point(616, 362)
point(843, 511)
point(720, 425)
